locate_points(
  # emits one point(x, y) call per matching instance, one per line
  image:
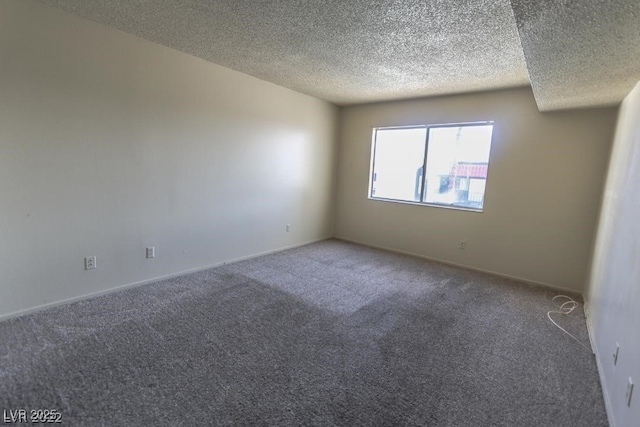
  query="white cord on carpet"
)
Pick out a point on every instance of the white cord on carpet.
point(565, 308)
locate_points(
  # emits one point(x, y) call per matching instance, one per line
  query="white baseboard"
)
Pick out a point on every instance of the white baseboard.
point(147, 281)
point(466, 267)
point(594, 348)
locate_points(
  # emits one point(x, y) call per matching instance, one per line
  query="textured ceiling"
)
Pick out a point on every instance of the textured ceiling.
point(578, 53)
point(343, 51)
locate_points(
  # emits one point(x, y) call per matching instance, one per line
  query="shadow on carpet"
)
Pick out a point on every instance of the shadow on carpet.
point(327, 334)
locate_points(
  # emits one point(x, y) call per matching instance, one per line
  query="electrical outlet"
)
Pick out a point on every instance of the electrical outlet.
point(615, 355)
point(151, 252)
point(629, 391)
point(462, 245)
point(288, 228)
point(90, 263)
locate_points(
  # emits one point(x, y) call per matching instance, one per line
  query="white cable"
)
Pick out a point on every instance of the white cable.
point(565, 308)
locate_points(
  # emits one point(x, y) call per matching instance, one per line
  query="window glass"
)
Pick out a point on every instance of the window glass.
point(456, 164)
point(459, 155)
point(398, 159)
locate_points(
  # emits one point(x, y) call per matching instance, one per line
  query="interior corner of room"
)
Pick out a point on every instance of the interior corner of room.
point(126, 159)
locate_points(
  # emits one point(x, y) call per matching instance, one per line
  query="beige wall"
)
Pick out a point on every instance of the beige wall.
point(109, 144)
point(614, 289)
point(542, 197)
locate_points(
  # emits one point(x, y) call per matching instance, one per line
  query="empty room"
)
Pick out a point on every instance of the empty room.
point(284, 213)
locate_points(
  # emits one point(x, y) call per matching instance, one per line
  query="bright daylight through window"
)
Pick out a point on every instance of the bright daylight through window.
point(455, 158)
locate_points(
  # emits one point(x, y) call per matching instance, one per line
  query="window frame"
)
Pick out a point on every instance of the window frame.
point(423, 179)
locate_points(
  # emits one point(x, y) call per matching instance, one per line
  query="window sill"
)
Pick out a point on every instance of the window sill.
point(431, 205)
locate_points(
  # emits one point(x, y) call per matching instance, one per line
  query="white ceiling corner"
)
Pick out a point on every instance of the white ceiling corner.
point(580, 53)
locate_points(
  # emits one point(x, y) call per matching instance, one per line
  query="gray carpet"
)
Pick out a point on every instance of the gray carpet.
point(327, 334)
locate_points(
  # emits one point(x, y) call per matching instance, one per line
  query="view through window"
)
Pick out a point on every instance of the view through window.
point(455, 158)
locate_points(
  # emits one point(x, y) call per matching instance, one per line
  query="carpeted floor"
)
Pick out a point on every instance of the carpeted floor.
point(327, 334)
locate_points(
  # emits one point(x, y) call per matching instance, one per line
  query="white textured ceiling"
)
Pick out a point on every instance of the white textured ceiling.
point(580, 53)
point(356, 51)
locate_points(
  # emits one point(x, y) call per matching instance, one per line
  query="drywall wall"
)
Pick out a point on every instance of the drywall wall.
point(542, 196)
point(614, 289)
point(110, 144)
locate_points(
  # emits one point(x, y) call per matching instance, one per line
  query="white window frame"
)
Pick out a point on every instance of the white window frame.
point(424, 164)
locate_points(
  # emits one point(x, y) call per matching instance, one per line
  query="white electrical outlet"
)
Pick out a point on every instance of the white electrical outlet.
point(151, 252)
point(615, 355)
point(462, 245)
point(288, 228)
point(90, 263)
point(629, 391)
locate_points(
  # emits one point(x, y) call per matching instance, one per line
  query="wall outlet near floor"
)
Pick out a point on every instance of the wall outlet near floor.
point(462, 245)
point(90, 263)
point(151, 252)
point(629, 391)
point(288, 228)
point(615, 355)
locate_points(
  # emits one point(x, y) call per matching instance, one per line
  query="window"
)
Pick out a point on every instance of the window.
point(442, 165)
